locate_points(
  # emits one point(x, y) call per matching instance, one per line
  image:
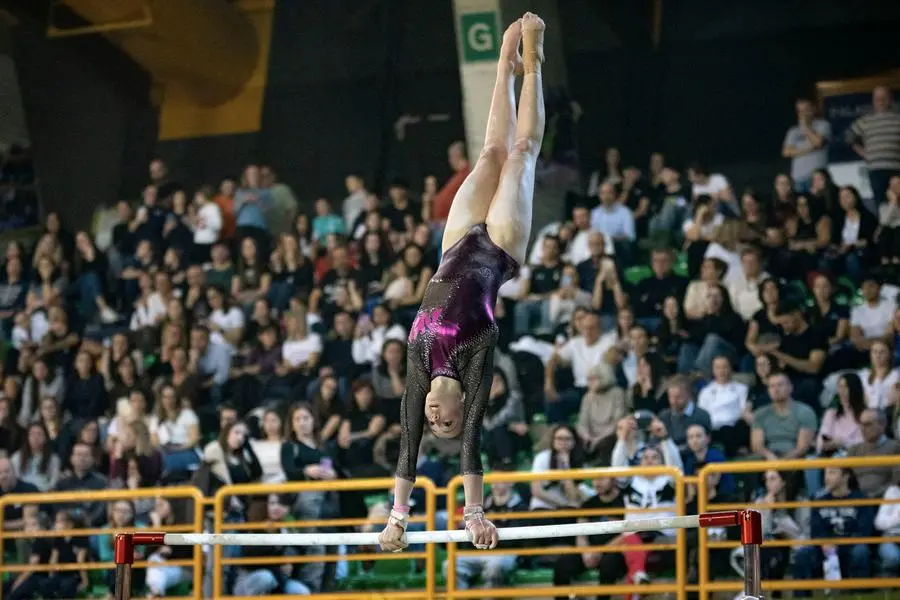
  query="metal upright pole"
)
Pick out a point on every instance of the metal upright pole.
point(751, 538)
point(124, 557)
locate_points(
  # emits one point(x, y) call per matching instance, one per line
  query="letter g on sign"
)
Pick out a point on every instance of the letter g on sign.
point(479, 39)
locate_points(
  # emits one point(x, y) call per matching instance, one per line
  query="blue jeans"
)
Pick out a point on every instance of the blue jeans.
point(180, 460)
point(89, 289)
point(692, 357)
point(527, 311)
point(889, 553)
point(856, 562)
point(669, 220)
point(879, 179)
point(494, 570)
point(567, 404)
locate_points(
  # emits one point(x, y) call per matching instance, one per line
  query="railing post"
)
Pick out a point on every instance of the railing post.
point(124, 559)
point(751, 538)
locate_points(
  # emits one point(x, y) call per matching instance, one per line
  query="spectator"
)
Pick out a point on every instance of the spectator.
point(602, 407)
point(876, 138)
point(121, 517)
point(801, 352)
point(829, 317)
point(616, 222)
point(888, 233)
point(779, 523)
point(744, 290)
point(226, 321)
point(284, 205)
point(300, 352)
point(699, 454)
point(11, 433)
point(673, 331)
point(726, 401)
point(647, 390)
point(338, 288)
point(84, 477)
point(355, 202)
point(505, 428)
point(160, 576)
point(648, 295)
point(262, 580)
point(698, 232)
point(250, 204)
point(493, 569)
point(806, 144)
point(873, 481)
point(11, 484)
point(542, 281)
point(231, 457)
point(49, 415)
point(851, 560)
point(785, 428)
point(763, 328)
point(672, 207)
point(209, 360)
point(361, 426)
point(177, 428)
point(563, 452)
point(267, 447)
point(36, 463)
point(292, 273)
point(401, 213)
point(682, 412)
point(887, 521)
point(326, 222)
point(711, 272)
point(871, 320)
point(717, 333)
point(251, 280)
point(880, 377)
point(85, 396)
point(389, 383)
point(714, 185)
point(208, 225)
point(841, 427)
point(328, 409)
point(459, 163)
point(581, 352)
point(134, 443)
point(853, 228)
point(371, 334)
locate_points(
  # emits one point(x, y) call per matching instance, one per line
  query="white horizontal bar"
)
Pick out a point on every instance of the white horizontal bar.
point(430, 537)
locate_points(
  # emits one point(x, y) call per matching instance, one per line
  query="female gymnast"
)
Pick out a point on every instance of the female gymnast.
point(451, 342)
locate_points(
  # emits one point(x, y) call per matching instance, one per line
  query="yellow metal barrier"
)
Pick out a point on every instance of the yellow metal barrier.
point(341, 485)
point(105, 496)
point(704, 546)
point(677, 588)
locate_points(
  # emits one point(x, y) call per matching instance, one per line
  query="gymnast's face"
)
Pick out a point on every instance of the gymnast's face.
point(443, 408)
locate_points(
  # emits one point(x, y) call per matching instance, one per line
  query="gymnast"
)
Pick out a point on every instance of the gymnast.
point(451, 342)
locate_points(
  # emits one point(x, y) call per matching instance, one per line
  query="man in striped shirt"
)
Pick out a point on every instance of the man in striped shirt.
point(876, 138)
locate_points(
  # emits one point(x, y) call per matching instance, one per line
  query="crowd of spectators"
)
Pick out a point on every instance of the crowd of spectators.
point(225, 336)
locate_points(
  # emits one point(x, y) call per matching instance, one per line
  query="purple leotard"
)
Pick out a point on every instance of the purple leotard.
point(454, 335)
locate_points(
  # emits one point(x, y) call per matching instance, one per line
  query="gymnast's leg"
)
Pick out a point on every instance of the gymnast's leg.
point(470, 206)
point(509, 216)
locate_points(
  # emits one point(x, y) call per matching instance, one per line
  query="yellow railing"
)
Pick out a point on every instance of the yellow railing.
point(706, 585)
point(192, 493)
point(679, 587)
point(341, 485)
point(676, 588)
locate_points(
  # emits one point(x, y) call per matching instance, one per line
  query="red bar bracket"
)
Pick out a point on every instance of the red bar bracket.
point(726, 518)
point(124, 548)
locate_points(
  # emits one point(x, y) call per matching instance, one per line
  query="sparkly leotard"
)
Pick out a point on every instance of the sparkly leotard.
point(454, 335)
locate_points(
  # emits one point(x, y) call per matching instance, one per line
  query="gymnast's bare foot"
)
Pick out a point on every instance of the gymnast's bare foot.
point(532, 42)
point(510, 58)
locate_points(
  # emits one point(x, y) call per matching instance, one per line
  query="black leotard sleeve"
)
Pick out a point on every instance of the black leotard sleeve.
point(412, 416)
point(477, 377)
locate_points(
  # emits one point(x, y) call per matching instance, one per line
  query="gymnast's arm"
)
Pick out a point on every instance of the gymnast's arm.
point(412, 426)
point(479, 373)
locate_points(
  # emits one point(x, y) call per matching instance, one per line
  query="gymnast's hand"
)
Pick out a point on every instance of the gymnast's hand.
point(482, 532)
point(393, 538)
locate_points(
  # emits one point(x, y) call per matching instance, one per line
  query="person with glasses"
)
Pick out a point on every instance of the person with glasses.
point(873, 481)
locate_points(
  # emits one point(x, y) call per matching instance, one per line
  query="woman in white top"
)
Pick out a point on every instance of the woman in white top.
point(226, 321)
point(268, 447)
point(36, 462)
point(137, 411)
point(207, 224)
point(372, 333)
point(301, 351)
point(177, 427)
point(150, 309)
point(726, 402)
point(880, 377)
point(563, 452)
point(711, 272)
